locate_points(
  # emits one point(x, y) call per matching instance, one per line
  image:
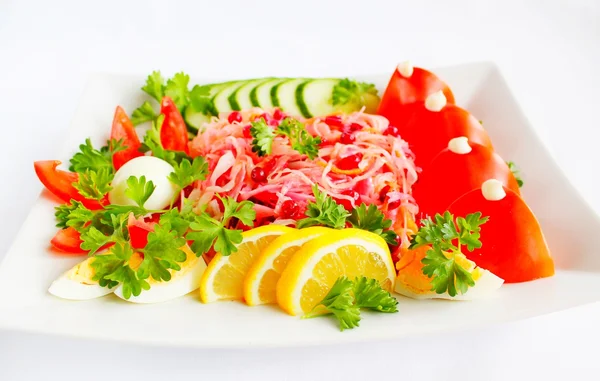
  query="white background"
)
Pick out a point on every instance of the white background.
point(548, 50)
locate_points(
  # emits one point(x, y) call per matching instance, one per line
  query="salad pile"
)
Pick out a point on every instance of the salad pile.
point(310, 193)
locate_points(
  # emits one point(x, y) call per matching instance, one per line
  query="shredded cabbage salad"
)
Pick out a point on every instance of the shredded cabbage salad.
point(374, 168)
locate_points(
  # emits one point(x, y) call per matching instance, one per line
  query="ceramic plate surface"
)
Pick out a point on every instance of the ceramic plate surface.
point(30, 266)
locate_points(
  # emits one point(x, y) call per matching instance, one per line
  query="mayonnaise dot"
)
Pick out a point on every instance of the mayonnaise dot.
point(493, 190)
point(436, 101)
point(459, 145)
point(405, 69)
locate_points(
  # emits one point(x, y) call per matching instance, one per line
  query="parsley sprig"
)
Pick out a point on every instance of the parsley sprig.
point(351, 95)
point(347, 297)
point(208, 232)
point(299, 138)
point(447, 237)
point(324, 211)
point(175, 88)
point(516, 172)
point(373, 220)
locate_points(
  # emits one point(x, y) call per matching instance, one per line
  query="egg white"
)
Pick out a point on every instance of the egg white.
point(155, 170)
point(76, 284)
point(484, 286)
point(182, 282)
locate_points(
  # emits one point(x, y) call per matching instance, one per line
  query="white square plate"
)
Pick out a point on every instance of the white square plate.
point(570, 226)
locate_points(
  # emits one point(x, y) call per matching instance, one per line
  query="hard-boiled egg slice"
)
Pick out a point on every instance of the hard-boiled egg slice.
point(182, 282)
point(77, 283)
point(155, 170)
point(413, 283)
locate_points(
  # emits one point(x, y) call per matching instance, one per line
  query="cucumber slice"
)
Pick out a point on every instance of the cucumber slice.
point(315, 97)
point(284, 95)
point(242, 96)
point(194, 119)
point(260, 95)
point(221, 100)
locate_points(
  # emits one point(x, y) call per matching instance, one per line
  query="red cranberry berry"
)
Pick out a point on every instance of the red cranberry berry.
point(392, 131)
point(349, 162)
point(347, 204)
point(334, 121)
point(246, 132)
point(278, 114)
point(289, 209)
point(355, 127)
point(347, 138)
point(258, 175)
point(235, 116)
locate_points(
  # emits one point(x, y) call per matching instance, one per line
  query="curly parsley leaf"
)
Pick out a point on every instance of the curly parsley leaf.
point(94, 184)
point(155, 86)
point(93, 239)
point(144, 113)
point(113, 268)
point(516, 172)
point(339, 302)
point(446, 238)
point(208, 232)
point(300, 139)
point(263, 135)
point(352, 95)
point(139, 190)
point(163, 252)
point(369, 294)
point(202, 101)
point(90, 159)
point(73, 215)
point(177, 90)
point(372, 219)
point(178, 220)
point(186, 172)
point(324, 211)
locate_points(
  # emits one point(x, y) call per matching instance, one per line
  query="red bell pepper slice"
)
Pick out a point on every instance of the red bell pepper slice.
point(138, 231)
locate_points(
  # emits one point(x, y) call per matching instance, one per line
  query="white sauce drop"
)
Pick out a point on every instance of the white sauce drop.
point(405, 69)
point(493, 190)
point(436, 101)
point(459, 145)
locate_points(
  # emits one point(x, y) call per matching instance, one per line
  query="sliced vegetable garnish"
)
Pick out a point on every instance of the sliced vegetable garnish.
point(447, 237)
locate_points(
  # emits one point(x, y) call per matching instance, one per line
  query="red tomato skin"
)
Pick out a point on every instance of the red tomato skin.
point(428, 132)
point(60, 183)
point(122, 129)
point(450, 175)
point(138, 231)
point(513, 245)
point(173, 133)
point(68, 241)
point(402, 91)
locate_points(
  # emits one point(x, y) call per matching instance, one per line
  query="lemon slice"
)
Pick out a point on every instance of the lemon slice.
point(311, 273)
point(261, 280)
point(224, 276)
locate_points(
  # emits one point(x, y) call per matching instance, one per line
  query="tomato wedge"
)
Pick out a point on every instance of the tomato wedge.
point(60, 183)
point(138, 231)
point(458, 169)
point(513, 246)
point(173, 133)
point(428, 129)
point(122, 129)
point(408, 85)
point(68, 240)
